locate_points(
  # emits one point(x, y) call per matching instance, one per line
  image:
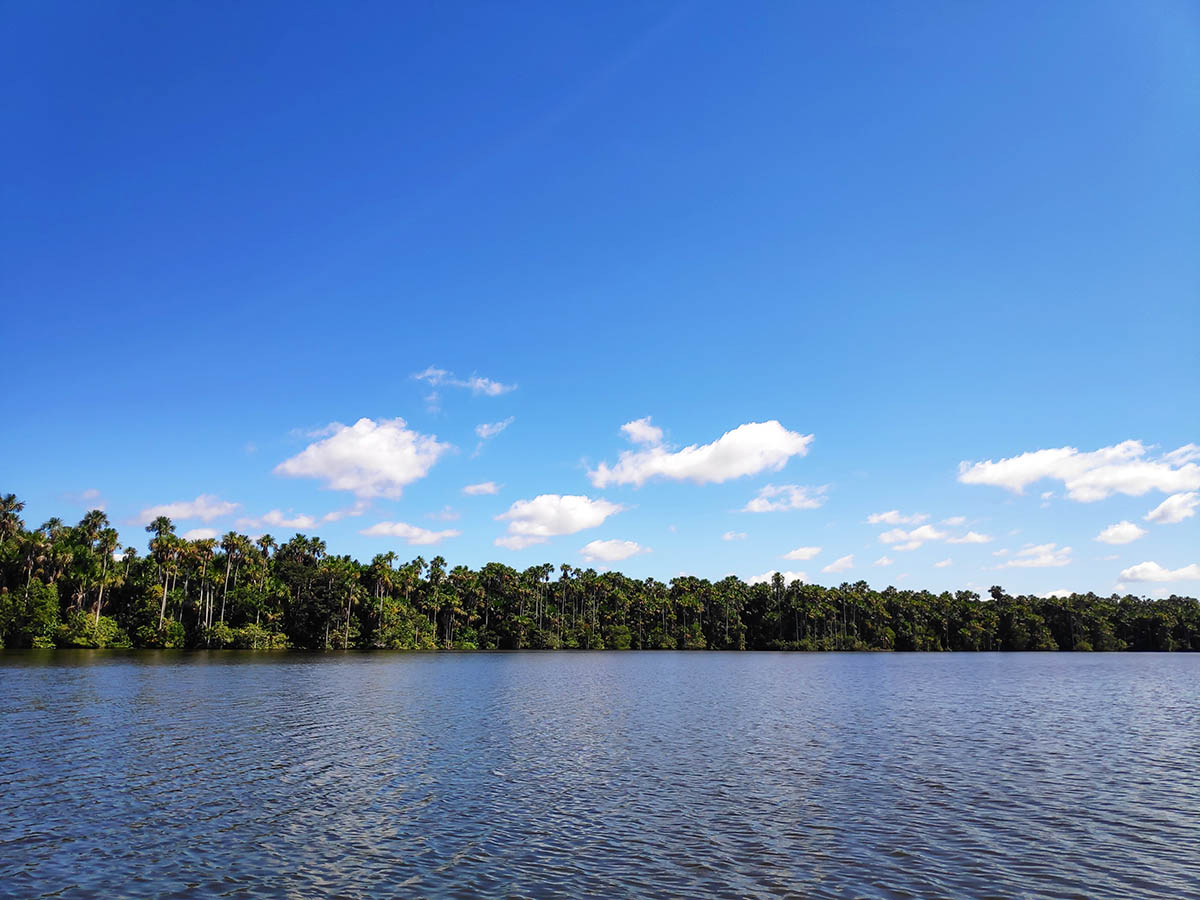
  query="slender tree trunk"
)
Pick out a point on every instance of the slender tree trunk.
point(100, 595)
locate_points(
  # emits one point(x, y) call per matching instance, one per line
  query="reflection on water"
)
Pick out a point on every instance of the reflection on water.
point(601, 774)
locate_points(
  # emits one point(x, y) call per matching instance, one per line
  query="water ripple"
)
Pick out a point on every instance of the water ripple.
point(599, 775)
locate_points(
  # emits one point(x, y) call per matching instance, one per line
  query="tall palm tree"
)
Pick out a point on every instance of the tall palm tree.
point(161, 546)
point(108, 541)
point(10, 517)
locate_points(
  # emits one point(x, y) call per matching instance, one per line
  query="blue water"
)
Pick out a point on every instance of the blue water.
point(599, 775)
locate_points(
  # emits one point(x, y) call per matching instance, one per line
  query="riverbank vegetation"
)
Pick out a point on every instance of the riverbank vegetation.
point(75, 586)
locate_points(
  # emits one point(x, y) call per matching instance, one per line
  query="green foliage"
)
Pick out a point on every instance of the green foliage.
point(64, 585)
point(83, 630)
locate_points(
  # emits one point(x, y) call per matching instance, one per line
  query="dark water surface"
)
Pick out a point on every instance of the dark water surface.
point(599, 774)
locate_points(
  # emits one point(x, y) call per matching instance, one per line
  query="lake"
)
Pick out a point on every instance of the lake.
point(599, 775)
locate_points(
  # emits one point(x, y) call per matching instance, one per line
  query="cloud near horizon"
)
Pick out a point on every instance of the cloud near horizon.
point(746, 450)
point(766, 577)
point(611, 551)
point(1122, 468)
point(205, 507)
point(1152, 571)
point(550, 515)
point(412, 534)
point(369, 458)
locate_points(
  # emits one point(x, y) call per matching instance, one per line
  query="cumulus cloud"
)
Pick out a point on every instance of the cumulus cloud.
point(943, 564)
point(779, 497)
point(490, 430)
point(841, 564)
point(611, 551)
point(911, 540)
point(1041, 556)
point(746, 450)
point(475, 384)
point(734, 536)
point(1152, 571)
point(1124, 468)
point(1122, 533)
point(1175, 509)
point(199, 534)
point(971, 537)
point(277, 518)
point(206, 507)
point(413, 534)
point(883, 561)
point(548, 515)
point(802, 553)
point(955, 520)
point(1059, 594)
point(767, 577)
point(372, 459)
point(894, 517)
point(484, 487)
point(640, 431)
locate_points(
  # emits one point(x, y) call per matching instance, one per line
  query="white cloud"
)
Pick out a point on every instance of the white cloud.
point(640, 431)
point(410, 533)
point(1042, 556)
point(611, 551)
point(475, 384)
point(766, 577)
point(883, 561)
point(746, 450)
point(802, 553)
point(1122, 468)
point(280, 519)
point(894, 517)
point(370, 458)
point(291, 519)
point(206, 507)
point(1152, 571)
point(199, 534)
point(1059, 594)
point(338, 514)
point(943, 564)
point(841, 564)
point(911, 540)
point(484, 487)
point(1175, 509)
point(779, 497)
point(487, 430)
point(1122, 533)
point(971, 537)
point(548, 515)
point(734, 536)
point(1000, 552)
point(955, 520)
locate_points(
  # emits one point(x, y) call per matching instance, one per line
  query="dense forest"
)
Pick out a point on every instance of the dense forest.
point(75, 586)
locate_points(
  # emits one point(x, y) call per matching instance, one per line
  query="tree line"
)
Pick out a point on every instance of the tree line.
point(76, 586)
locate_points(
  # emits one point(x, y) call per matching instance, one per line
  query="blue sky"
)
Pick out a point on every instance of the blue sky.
point(922, 234)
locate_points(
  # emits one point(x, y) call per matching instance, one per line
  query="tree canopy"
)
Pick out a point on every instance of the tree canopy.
point(73, 586)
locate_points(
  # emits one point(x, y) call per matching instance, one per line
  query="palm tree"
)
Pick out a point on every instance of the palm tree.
point(109, 539)
point(161, 547)
point(10, 517)
point(231, 543)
